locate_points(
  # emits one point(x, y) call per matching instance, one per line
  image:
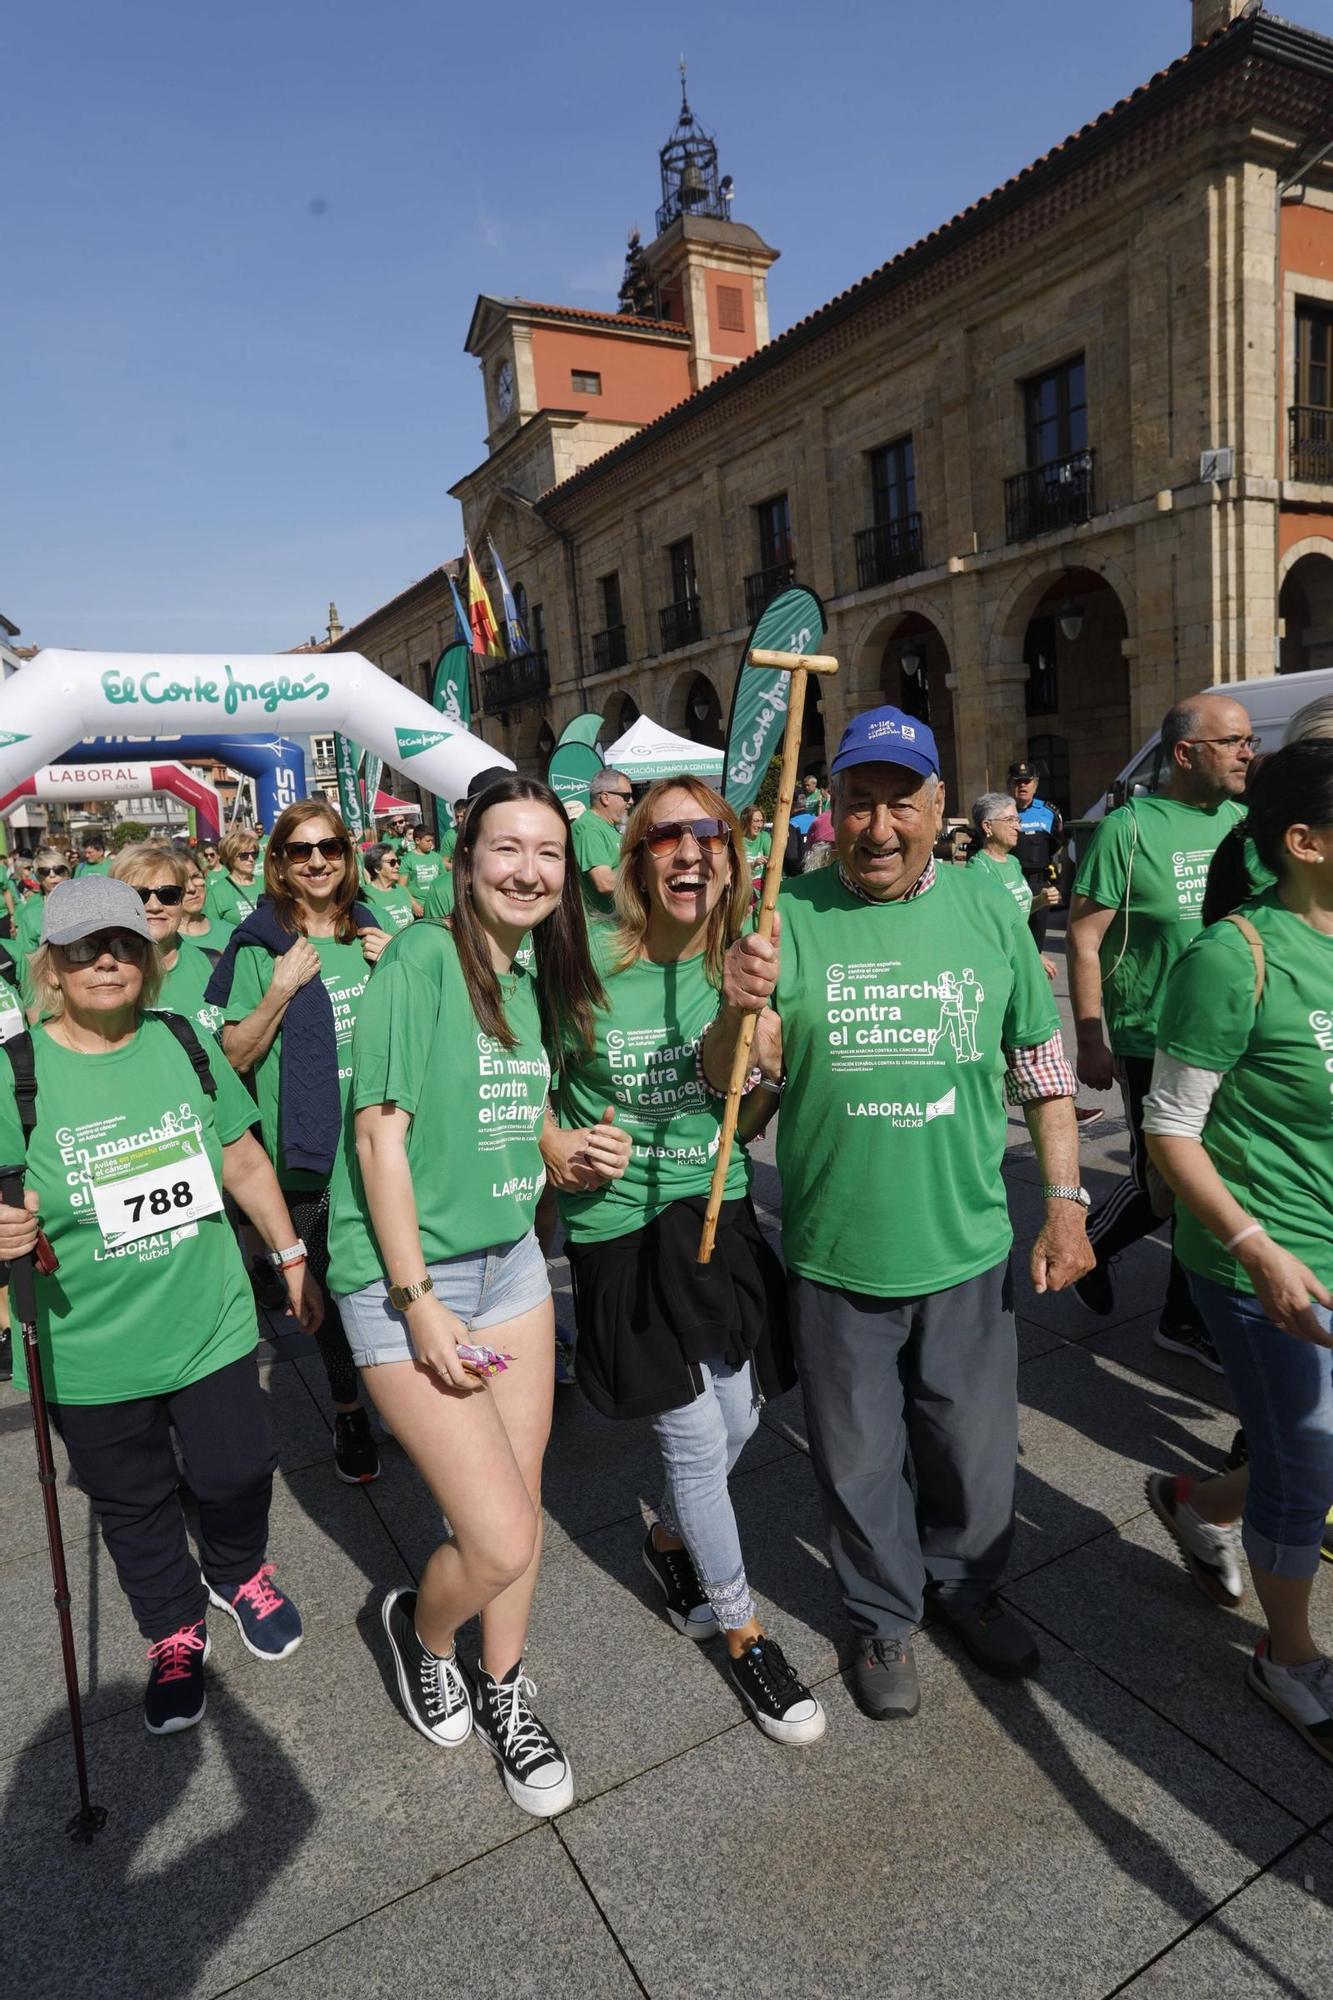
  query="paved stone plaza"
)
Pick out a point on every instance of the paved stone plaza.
point(1132, 1821)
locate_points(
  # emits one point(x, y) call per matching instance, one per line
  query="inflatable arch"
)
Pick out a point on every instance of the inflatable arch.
point(121, 781)
point(276, 765)
point(58, 695)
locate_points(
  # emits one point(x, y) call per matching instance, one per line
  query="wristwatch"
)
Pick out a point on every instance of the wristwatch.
point(1058, 1192)
point(295, 1253)
point(401, 1296)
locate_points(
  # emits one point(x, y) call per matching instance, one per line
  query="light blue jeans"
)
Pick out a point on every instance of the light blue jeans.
point(700, 1442)
point(1284, 1398)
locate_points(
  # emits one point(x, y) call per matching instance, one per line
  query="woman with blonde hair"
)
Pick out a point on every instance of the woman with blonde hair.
point(231, 891)
point(159, 876)
point(290, 984)
point(693, 1347)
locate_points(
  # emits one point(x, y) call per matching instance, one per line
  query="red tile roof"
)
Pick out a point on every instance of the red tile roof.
point(671, 326)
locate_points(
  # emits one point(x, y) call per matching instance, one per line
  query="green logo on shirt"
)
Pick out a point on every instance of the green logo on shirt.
point(411, 742)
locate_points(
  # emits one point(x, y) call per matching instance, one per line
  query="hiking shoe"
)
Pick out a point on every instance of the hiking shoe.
point(775, 1695)
point(1302, 1696)
point(1095, 1290)
point(355, 1458)
point(687, 1605)
point(175, 1698)
point(998, 1642)
point(269, 1623)
point(433, 1690)
point(1190, 1338)
point(1212, 1555)
point(535, 1769)
point(884, 1679)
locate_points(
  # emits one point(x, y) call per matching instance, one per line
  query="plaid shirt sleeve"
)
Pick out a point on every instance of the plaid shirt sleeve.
point(1041, 1072)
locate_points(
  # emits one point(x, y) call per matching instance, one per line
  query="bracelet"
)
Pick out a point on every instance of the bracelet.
point(777, 1087)
point(292, 1264)
point(294, 1254)
point(1250, 1229)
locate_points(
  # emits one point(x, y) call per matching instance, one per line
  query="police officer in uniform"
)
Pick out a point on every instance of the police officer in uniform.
point(1041, 832)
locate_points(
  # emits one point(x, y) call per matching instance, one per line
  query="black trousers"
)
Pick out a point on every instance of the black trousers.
point(123, 1459)
point(1128, 1214)
point(310, 1215)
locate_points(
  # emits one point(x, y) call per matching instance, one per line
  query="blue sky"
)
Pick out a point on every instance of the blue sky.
point(243, 245)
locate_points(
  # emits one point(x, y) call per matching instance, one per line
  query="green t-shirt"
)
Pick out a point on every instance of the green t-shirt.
point(422, 869)
point(438, 900)
point(1148, 861)
point(894, 1019)
point(27, 937)
point(476, 1108)
point(159, 1312)
point(94, 867)
point(1007, 875)
point(344, 971)
point(183, 991)
point(228, 902)
point(757, 852)
point(392, 906)
point(215, 938)
point(596, 844)
point(645, 1063)
point(1270, 1127)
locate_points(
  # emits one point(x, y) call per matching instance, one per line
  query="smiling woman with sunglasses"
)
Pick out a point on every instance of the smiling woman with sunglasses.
point(694, 1347)
point(147, 1326)
point(232, 893)
point(290, 983)
point(159, 876)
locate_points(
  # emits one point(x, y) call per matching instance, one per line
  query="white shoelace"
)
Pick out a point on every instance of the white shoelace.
point(525, 1741)
point(442, 1687)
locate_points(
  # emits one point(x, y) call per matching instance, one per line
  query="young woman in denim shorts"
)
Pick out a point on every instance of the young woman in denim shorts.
point(432, 1250)
point(1240, 1122)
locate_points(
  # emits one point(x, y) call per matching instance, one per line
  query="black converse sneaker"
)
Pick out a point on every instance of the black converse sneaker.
point(536, 1771)
point(433, 1690)
point(779, 1701)
point(686, 1605)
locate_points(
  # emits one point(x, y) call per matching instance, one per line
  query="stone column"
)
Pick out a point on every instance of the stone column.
point(1006, 716)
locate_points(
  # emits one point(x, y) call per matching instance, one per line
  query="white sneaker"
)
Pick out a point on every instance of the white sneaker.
point(1302, 1696)
point(1212, 1555)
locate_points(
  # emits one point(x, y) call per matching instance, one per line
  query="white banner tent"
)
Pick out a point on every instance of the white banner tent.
point(58, 698)
point(647, 751)
point(113, 780)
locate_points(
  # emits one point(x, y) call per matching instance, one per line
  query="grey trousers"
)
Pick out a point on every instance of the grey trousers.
point(936, 1377)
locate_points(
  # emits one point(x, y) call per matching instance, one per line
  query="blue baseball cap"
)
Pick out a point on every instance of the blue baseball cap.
point(887, 736)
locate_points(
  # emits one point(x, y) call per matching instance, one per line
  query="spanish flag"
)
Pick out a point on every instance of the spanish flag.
point(481, 618)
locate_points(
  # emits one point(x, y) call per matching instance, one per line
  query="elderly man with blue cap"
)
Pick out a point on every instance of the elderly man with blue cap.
point(910, 1001)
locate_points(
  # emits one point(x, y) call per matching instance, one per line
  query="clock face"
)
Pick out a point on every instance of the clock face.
point(504, 387)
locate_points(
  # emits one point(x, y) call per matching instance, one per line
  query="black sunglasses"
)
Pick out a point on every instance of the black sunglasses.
point(125, 947)
point(167, 893)
point(713, 836)
point(60, 870)
point(301, 850)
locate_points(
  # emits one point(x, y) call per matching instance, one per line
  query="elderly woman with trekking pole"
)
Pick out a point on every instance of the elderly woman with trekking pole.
point(132, 1125)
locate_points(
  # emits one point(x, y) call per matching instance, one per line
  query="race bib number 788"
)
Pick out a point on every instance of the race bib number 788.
point(162, 1185)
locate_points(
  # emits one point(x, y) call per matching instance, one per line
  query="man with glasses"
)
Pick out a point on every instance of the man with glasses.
point(1137, 901)
point(595, 839)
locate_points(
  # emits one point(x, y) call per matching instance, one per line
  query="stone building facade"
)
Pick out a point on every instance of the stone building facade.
point(1063, 461)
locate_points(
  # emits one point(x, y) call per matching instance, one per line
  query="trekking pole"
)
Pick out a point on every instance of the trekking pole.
point(798, 665)
point(89, 1820)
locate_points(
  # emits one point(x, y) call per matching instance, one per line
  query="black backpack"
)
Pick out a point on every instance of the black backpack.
point(24, 1065)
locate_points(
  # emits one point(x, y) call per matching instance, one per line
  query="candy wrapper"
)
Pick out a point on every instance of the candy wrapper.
point(483, 1360)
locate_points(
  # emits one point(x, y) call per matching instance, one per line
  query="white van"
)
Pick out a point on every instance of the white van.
point(1271, 702)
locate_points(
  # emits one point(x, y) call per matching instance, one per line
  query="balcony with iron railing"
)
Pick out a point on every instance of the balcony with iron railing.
point(681, 624)
point(609, 650)
point(508, 683)
point(762, 584)
point(1059, 494)
point(1310, 440)
point(887, 550)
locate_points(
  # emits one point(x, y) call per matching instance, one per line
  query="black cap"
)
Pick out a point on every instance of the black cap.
point(1022, 771)
point(485, 779)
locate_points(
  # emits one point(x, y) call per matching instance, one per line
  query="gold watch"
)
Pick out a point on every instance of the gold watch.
point(401, 1296)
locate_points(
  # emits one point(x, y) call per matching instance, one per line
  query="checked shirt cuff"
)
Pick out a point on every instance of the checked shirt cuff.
point(1040, 1072)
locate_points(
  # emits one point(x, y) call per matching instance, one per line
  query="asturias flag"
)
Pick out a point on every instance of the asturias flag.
point(518, 638)
point(485, 635)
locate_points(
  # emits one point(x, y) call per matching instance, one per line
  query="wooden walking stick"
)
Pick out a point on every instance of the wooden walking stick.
point(798, 665)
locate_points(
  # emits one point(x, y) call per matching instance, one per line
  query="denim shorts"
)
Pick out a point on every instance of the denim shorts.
point(1284, 1398)
point(484, 1289)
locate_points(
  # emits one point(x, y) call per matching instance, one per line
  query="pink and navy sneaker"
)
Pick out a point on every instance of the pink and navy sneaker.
point(270, 1624)
point(175, 1697)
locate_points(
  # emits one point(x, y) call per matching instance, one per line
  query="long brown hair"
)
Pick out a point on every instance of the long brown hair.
point(282, 898)
point(726, 921)
point(568, 989)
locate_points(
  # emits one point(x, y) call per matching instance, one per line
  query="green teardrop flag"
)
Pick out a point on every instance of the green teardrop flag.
point(570, 773)
point(791, 622)
point(451, 695)
point(347, 756)
point(585, 728)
